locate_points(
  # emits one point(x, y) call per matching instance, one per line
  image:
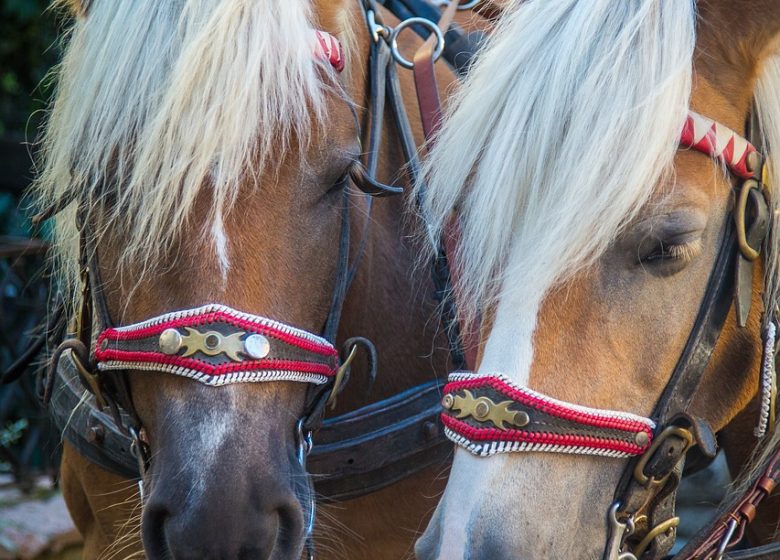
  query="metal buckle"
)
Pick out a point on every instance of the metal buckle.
point(639, 469)
point(377, 30)
point(399, 58)
point(740, 208)
point(140, 451)
point(462, 7)
point(656, 531)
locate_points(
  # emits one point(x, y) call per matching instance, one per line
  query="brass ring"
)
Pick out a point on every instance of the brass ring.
point(739, 219)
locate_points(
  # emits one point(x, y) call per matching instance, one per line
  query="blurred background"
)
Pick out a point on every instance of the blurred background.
point(33, 519)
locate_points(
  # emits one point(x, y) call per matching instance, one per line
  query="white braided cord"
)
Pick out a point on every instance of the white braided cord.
point(768, 377)
point(245, 376)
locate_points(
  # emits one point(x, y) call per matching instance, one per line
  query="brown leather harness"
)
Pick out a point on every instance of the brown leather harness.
point(353, 456)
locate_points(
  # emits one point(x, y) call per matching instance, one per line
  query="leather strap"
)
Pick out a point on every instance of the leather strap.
point(729, 527)
point(356, 453)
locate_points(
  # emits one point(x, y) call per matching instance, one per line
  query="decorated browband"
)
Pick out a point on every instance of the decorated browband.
point(217, 345)
point(489, 414)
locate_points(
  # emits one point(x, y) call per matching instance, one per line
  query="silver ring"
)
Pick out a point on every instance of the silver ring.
point(399, 58)
point(463, 7)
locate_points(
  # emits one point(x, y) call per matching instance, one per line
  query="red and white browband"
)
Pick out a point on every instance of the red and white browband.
point(719, 142)
point(216, 345)
point(328, 48)
point(489, 414)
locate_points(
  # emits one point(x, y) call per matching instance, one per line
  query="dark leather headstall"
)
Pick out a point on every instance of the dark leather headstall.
point(642, 519)
point(357, 452)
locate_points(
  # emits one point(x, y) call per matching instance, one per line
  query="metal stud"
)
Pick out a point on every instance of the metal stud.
point(212, 341)
point(448, 401)
point(641, 439)
point(257, 346)
point(482, 410)
point(170, 341)
point(521, 419)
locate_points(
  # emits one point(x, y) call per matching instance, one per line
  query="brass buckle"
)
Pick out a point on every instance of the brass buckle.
point(639, 469)
point(761, 184)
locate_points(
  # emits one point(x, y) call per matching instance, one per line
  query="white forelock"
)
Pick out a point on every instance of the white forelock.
point(572, 115)
point(158, 102)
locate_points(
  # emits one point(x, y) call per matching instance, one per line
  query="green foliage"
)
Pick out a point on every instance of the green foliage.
point(28, 49)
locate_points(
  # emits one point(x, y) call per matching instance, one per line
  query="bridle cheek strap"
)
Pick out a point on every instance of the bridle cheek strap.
point(489, 414)
point(217, 345)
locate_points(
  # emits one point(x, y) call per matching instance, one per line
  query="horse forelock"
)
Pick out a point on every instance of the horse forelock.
point(573, 112)
point(167, 101)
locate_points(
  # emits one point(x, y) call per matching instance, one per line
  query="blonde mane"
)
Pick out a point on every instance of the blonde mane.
point(159, 103)
point(566, 124)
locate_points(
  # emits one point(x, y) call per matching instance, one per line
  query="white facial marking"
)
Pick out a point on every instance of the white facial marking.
point(213, 429)
point(457, 507)
point(509, 347)
point(221, 246)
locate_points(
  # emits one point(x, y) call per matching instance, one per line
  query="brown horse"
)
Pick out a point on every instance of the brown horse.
point(225, 142)
point(588, 242)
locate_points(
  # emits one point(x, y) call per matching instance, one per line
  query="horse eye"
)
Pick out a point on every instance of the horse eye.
point(672, 252)
point(341, 183)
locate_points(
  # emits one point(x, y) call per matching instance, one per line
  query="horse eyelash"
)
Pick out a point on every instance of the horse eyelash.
point(684, 252)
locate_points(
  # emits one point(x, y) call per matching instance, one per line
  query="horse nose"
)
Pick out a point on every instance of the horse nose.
point(222, 525)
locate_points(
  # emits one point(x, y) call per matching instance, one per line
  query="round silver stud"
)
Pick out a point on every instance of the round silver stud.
point(257, 346)
point(448, 401)
point(170, 341)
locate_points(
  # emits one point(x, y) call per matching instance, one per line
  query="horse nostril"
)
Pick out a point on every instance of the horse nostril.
point(155, 517)
point(290, 529)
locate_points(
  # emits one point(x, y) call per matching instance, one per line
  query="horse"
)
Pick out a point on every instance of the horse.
point(200, 158)
point(615, 246)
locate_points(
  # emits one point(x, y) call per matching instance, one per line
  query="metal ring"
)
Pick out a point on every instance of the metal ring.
point(399, 58)
point(462, 7)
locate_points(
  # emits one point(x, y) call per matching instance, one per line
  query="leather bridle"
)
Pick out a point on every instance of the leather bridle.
point(642, 517)
point(97, 355)
point(486, 414)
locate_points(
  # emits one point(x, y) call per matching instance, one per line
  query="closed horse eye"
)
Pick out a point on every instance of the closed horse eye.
point(665, 252)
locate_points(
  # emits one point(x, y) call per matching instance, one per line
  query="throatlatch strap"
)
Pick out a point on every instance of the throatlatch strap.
point(216, 345)
point(489, 414)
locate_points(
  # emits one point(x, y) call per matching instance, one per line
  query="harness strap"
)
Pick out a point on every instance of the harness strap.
point(729, 527)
